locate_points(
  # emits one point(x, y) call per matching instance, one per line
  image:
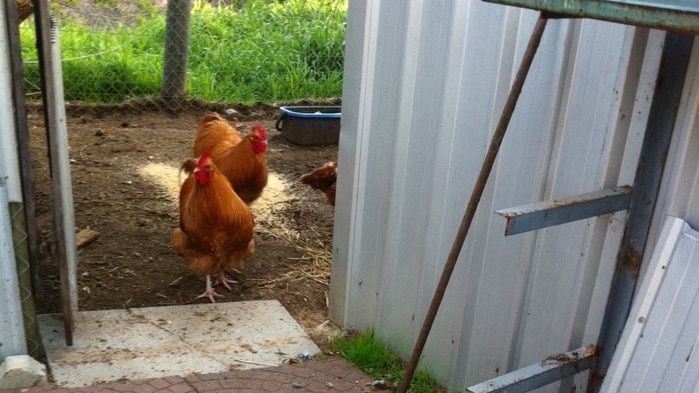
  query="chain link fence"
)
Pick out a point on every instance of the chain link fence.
point(176, 54)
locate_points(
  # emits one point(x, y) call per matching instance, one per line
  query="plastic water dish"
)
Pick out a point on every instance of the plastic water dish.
point(310, 125)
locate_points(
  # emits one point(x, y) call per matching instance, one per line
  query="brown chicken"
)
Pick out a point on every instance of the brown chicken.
point(323, 179)
point(216, 226)
point(241, 159)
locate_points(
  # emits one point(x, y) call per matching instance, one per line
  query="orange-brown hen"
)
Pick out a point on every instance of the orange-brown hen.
point(241, 159)
point(323, 179)
point(216, 226)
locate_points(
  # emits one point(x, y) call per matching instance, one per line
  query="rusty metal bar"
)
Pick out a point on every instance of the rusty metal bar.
point(476, 195)
point(552, 369)
point(560, 211)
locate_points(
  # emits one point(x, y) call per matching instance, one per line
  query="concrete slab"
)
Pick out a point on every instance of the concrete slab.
point(156, 342)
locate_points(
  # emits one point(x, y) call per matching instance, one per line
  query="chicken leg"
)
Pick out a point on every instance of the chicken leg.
point(209, 292)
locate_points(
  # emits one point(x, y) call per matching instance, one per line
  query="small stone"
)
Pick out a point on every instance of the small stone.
point(99, 133)
point(296, 385)
point(380, 384)
point(329, 385)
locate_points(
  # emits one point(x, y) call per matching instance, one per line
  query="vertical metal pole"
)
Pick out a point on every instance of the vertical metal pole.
point(476, 195)
point(651, 163)
point(61, 188)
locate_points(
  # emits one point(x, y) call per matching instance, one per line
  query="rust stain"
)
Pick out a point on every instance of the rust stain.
point(559, 358)
point(564, 358)
point(632, 261)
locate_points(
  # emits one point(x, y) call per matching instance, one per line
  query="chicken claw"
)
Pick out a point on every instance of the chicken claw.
point(209, 292)
point(221, 279)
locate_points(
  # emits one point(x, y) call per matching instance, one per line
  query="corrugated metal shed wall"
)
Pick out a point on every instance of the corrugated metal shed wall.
point(424, 85)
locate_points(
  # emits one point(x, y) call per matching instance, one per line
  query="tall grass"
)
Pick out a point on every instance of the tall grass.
point(266, 51)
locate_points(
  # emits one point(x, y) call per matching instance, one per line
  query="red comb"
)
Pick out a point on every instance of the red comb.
point(205, 156)
point(258, 128)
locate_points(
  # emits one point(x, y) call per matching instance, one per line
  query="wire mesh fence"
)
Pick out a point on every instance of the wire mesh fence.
point(19, 238)
point(179, 52)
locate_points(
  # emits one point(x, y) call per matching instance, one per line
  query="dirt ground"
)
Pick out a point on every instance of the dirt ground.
point(124, 177)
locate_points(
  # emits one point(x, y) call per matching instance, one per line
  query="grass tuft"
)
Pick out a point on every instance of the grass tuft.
point(376, 359)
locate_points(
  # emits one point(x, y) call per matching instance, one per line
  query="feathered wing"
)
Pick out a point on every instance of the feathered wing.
point(214, 134)
point(234, 156)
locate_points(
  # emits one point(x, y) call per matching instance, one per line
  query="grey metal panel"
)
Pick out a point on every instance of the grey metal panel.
point(657, 350)
point(661, 121)
point(9, 164)
point(680, 186)
point(680, 189)
point(12, 337)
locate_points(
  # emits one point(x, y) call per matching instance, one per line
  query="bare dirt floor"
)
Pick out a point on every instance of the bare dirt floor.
point(124, 168)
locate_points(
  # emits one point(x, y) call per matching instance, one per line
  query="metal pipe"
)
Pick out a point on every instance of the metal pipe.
point(476, 195)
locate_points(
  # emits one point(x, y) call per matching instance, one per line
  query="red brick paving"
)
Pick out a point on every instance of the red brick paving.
point(316, 376)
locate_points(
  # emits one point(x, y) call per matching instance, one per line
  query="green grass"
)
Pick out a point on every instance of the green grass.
point(267, 51)
point(374, 358)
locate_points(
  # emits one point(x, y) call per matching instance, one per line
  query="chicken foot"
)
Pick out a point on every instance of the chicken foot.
point(221, 279)
point(209, 292)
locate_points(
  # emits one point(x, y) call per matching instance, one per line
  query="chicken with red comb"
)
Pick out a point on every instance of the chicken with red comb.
point(216, 226)
point(241, 159)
